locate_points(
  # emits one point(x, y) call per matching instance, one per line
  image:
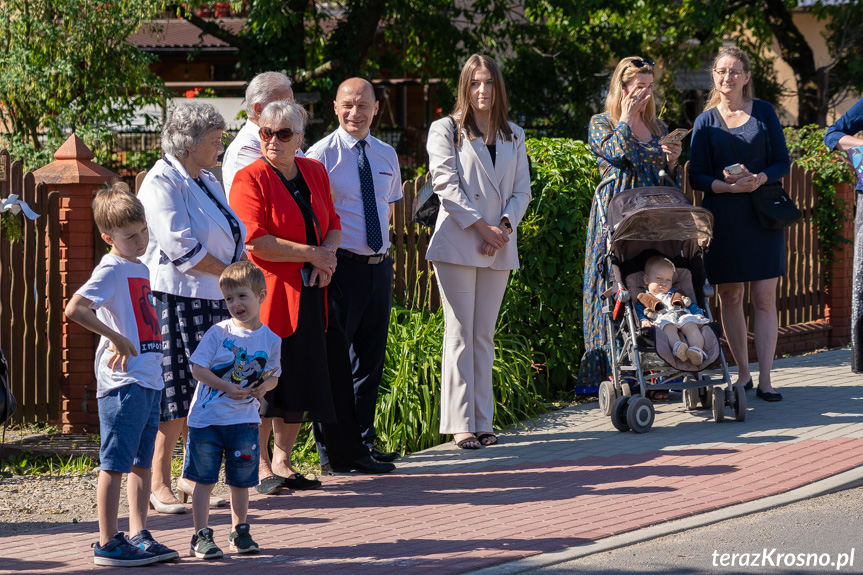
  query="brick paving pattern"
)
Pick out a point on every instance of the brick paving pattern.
point(567, 481)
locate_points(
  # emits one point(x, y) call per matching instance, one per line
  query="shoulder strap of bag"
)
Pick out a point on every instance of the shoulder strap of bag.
point(301, 201)
point(454, 130)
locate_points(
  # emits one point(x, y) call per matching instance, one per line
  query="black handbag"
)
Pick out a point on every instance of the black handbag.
point(8, 405)
point(773, 206)
point(427, 203)
point(775, 210)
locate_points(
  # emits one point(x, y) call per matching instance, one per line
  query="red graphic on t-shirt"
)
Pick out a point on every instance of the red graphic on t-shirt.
point(145, 315)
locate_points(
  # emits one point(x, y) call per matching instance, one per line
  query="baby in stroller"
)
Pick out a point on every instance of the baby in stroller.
point(671, 311)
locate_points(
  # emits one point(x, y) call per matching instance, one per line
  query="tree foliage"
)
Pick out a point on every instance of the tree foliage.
point(65, 66)
point(686, 34)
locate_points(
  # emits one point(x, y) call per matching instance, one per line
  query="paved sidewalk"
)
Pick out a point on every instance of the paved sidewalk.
point(570, 480)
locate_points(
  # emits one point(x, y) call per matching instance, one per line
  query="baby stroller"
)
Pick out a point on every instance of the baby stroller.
point(641, 223)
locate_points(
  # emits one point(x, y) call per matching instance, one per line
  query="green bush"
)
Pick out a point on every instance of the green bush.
point(543, 304)
point(831, 167)
point(408, 413)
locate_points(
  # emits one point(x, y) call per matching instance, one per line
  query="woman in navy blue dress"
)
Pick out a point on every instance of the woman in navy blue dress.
point(741, 251)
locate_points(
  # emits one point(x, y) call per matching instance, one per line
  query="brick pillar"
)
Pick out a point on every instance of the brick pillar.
point(76, 177)
point(837, 295)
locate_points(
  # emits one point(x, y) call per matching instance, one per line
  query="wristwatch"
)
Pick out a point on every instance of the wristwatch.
point(508, 226)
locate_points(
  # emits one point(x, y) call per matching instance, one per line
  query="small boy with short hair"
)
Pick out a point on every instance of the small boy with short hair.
point(128, 376)
point(236, 363)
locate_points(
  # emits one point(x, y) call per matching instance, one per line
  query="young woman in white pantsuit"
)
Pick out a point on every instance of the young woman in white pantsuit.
point(479, 167)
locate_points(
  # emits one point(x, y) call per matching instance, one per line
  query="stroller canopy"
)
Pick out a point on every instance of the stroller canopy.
point(661, 217)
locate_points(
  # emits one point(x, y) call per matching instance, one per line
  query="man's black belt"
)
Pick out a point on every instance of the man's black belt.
point(375, 259)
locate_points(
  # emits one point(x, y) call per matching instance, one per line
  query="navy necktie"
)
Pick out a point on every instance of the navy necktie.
point(367, 187)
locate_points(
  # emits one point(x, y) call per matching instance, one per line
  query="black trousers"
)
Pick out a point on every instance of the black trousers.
point(339, 443)
point(363, 311)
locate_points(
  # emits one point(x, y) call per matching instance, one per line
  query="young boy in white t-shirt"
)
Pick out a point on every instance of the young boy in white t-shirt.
point(128, 376)
point(236, 363)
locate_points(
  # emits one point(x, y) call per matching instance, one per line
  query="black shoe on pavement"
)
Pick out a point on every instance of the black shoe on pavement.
point(300, 482)
point(384, 457)
point(366, 464)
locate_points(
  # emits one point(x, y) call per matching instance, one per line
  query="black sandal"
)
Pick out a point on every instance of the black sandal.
point(467, 441)
point(269, 485)
point(483, 436)
point(300, 482)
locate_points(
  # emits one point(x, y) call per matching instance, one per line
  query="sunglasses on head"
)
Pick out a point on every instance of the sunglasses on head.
point(283, 135)
point(641, 63)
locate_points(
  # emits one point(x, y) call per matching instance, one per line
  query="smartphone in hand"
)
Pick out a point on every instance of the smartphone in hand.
point(734, 169)
point(306, 273)
point(674, 136)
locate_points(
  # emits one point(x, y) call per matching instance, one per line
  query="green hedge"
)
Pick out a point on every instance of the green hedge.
point(544, 300)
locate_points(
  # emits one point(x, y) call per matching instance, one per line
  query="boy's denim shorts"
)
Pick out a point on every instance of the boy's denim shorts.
point(128, 422)
point(238, 443)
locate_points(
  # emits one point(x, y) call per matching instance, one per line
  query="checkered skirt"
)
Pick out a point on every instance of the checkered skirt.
point(183, 321)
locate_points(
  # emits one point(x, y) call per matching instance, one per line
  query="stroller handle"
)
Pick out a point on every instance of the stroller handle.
point(599, 205)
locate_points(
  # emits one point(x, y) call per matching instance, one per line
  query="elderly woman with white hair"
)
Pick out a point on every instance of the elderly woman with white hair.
point(194, 235)
point(293, 234)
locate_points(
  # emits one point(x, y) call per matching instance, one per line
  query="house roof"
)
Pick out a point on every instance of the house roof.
point(179, 35)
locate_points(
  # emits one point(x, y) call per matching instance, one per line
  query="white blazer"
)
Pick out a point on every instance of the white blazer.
point(471, 188)
point(181, 217)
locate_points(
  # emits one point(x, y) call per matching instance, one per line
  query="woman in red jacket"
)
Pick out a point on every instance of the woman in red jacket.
point(293, 234)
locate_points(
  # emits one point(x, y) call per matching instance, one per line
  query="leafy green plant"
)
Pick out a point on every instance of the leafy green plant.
point(32, 463)
point(543, 304)
point(831, 167)
point(408, 414)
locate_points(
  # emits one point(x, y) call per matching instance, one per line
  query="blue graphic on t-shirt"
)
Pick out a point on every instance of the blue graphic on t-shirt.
point(244, 371)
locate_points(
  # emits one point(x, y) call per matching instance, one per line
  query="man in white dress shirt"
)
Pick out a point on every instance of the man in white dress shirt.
point(246, 147)
point(365, 178)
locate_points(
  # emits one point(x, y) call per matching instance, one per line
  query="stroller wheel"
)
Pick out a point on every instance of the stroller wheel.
point(740, 403)
point(718, 404)
point(640, 414)
point(618, 413)
point(625, 389)
point(607, 396)
point(706, 397)
point(690, 399)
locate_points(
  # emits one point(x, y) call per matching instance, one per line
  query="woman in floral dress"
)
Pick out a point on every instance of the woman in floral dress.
point(625, 140)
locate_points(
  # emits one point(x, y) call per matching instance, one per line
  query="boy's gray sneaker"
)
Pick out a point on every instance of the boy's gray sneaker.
point(203, 546)
point(118, 552)
point(145, 541)
point(241, 541)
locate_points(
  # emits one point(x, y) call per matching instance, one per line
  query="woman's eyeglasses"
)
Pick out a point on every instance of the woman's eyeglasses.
point(641, 63)
point(729, 73)
point(283, 135)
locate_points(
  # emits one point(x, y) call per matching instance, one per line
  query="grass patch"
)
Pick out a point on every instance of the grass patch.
point(31, 463)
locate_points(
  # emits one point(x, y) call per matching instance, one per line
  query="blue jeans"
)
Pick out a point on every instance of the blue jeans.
point(128, 423)
point(206, 446)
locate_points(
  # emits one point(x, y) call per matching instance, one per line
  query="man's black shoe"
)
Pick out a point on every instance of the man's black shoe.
point(385, 457)
point(365, 465)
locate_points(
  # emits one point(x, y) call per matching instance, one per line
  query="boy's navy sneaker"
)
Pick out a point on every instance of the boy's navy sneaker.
point(145, 541)
point(241, 541)
point(203, 546)
point(118, 552)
